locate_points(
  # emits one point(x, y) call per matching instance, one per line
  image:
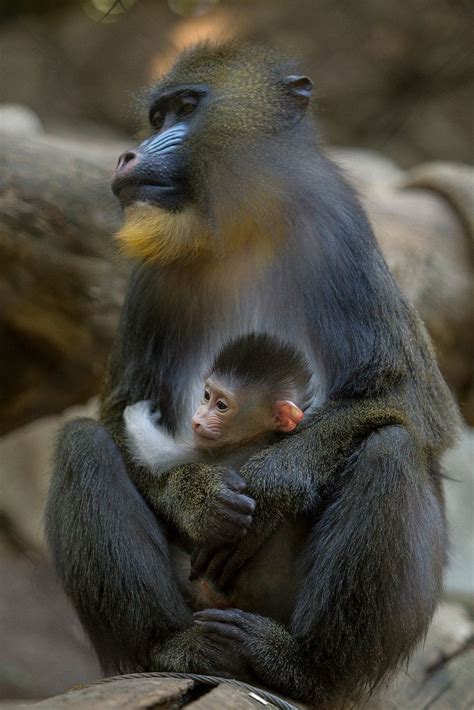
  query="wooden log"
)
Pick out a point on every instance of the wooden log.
point(61, 288)
point(439, 677)
point(62, 285)
point(228, 697)
point(126, 694)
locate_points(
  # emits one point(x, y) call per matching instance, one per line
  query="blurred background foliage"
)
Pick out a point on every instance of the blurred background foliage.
point(394, 76)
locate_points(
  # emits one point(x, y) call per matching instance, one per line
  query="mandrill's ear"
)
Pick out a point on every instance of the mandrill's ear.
point(286, 415)
point(299, 90)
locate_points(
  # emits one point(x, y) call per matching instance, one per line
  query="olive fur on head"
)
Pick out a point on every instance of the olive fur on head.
point(253, 90)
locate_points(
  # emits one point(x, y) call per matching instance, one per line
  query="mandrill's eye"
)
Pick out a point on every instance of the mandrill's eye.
point(206, 396)
point(157, 119)
point(222, 406)
point(187, 105)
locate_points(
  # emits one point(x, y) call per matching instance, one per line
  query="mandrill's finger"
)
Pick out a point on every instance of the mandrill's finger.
point(237, 502)
point(227, 570)
point(200, 559)
point(243, 504)
point(217, 565)
point(223, 631)
point(234, 481)
point(223, 616)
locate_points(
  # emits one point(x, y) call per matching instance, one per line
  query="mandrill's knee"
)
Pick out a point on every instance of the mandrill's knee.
point(84, 445)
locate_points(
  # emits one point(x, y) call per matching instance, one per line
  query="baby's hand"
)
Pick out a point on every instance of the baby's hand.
point(141, 413)
point(143, 430)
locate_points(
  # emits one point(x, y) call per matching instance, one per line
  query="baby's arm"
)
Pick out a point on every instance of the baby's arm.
point(149, 444)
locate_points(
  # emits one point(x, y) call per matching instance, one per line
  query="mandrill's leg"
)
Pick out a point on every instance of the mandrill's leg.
point(371, 580)
point(110, 551)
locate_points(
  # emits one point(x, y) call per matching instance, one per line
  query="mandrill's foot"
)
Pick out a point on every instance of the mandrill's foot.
point(232, 627)
point(252, 637)
point(274, 657)
point(193, 651)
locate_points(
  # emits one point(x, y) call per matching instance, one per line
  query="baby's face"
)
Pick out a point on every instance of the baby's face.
point(214, 421)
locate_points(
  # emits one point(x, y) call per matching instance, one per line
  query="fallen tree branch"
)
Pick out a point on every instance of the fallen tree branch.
point(61, 284)
point(61, 287)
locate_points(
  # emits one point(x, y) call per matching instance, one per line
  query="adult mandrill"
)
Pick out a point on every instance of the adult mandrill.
point(242, 224)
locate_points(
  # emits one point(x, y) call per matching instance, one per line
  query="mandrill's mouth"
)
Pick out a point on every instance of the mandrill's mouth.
point(129, 190)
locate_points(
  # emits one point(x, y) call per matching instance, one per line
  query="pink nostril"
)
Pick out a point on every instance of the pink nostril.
point(126, 158)
point(195, 424)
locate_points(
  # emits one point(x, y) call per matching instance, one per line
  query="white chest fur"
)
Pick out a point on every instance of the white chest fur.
point(231, 313)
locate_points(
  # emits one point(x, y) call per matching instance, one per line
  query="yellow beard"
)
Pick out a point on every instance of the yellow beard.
point(155, 235)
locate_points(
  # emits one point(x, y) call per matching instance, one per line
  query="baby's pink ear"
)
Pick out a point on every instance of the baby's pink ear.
point(286, 415)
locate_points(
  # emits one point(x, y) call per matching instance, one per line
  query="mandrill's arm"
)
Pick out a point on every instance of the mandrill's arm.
point(369, 581)
point(290, 478)
point(204, 503)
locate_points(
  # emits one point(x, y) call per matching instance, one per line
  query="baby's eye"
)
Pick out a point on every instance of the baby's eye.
point(221, 405)
point(206, 396)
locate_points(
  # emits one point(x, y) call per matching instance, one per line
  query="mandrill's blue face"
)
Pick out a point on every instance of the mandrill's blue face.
point(155, 171)
point(214, 98)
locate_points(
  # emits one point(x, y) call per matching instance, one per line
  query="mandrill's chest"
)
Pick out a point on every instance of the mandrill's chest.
point(200, 321)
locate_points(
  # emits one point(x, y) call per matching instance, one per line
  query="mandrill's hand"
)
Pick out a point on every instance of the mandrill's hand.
point(194, 651)
point(244, 633)
point(205, 503)
point(220, 565)
point(231, 626)
point(227, 513)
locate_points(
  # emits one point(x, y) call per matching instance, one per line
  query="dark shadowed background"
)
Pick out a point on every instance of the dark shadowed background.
point(396, 77)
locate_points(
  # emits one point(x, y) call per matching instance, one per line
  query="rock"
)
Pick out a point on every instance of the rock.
point(458, 465)
point(20, 120)
point(367, 166)
point(25, 457)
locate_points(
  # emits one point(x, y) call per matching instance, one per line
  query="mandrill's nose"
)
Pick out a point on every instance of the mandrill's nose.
point(125, 161)
point(195, 424)
point(127, 177)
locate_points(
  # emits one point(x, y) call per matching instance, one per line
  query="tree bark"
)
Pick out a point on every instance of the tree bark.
point(62, 284)
point(61, 287)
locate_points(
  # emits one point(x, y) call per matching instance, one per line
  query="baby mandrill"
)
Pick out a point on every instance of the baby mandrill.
point(256, 388)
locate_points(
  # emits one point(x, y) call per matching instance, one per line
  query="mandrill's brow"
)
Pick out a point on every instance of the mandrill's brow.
point(167, 95)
